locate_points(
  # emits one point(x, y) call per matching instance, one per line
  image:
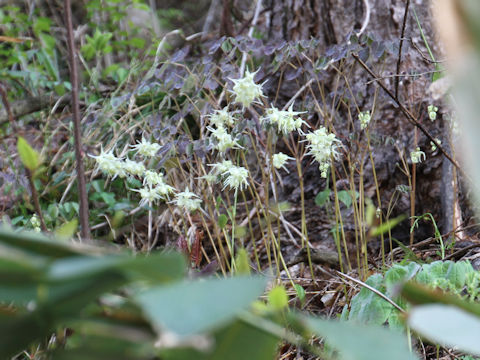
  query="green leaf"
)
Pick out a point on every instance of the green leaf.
point(30, 158)
point(204, 305)
point(345, 197)
point(242, 263)
point(67, 230)
point(278, 298)
point(367, 307)
point(322, 197)
point(237, 341)
point(386, 226)
point(300, 292)
point(222, 221)
point(448, 326)
point(361, 342)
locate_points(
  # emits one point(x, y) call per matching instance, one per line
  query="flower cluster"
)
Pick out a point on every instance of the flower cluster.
point(236, 177)
point(109, 164)
point(246, 91)
point(433, 145)
point(417, 156)
point(364, 118)
point(322, 147)
point(285, 120)
point(146, 148)
point(187, 200)
point(225, 140)
point(222, 117)
point(432, 112)
point(279, 160)
point(35, 223)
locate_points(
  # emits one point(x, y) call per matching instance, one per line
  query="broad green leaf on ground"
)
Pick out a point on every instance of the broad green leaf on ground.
point(204, 304)
point(399, 273)
point(362, 342)
point(448, 326)
point(367, 307)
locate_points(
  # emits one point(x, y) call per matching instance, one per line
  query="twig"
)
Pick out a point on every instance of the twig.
point(372, 289)
point(366, 20)
point(399, 59)
point(250, 33)
point(36, 202)
point(297, 94)
point(82, 189)
point(412, 119)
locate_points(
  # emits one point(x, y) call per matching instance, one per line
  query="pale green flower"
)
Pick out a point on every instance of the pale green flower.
point(148, 195)
point(432, 112)
point(279, 160)
point(417, 155)
point(322, 147)
point(35, 223)
point(221, 167)
point(187, 200)
point(133, 167)
point(222, 117)
point(146, 148)
point(434, 147)
point(109, 164)
point(152, 178)
point(225, 141)
point(285, 120)
point(364, 118)
point(246, 91)
point(235, 177)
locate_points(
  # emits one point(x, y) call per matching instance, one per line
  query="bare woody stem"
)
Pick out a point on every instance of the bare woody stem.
point(82, 190)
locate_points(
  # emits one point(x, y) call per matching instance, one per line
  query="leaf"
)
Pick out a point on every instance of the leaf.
point(386, 226)
point(362, 342)
point(345, 197)
point(241, 262)
point(30, 158)
point(222, 221)
point(367, 307)
point(68, 229)
point(322, 197)
point(448, 326)
point(237, 341)
point(278, 298)
point(204, 305)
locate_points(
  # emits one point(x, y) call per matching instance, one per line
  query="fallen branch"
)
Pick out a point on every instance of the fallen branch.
point(30, 105)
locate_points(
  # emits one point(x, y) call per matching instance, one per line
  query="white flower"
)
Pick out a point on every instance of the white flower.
point(146, 148)
point(434, 147)
point(285, 120)
point(164, 190)
point(432, 112)
point(148, 195)
point(187, 200)
point(222, 117)
point(364, 118)
point(224, 139)
point(417, 155)
point(221, 167)
point(35, 223)
point(236, 177)
point(133, 167)
point(280, 159)
point(110, 164)
point(152, 178)
point(322, 147)
point(246, 91)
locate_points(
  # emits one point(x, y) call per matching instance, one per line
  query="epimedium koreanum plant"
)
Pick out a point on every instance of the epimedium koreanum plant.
point(221, 125)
